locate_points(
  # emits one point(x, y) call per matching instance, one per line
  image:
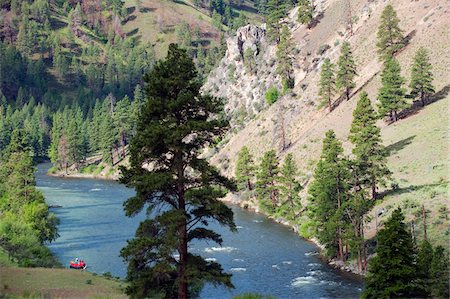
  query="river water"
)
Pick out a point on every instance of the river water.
point(264, 257)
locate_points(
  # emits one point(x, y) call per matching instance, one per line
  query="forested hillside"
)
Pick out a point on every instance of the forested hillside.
point(70, 69)
point(337, 114)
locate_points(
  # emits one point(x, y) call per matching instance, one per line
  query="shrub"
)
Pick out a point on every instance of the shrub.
point(272, 95)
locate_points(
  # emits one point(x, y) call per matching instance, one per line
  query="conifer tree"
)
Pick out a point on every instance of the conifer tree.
point(289, 188)
point(275, 11)
point(180, 190)
point(305, 11)
point(266, 189)
point(393, 271)
point(346, 70)
point(370, 154)
point(421, 76)
point(284, 49)
point(327, 194)
point(327, 84)
point(390, 36)
point(245, 169)
point(424, 254)
point(439, 270)
point(391, 95)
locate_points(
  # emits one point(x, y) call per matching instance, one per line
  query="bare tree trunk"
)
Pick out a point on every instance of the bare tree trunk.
point(424, 220)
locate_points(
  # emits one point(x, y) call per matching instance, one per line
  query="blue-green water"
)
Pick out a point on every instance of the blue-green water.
point(263, 256)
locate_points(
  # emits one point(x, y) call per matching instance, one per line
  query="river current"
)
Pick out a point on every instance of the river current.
point(264, 257)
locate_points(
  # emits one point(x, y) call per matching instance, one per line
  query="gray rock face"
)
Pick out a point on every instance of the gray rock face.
point(242, 89)
point(249, 36)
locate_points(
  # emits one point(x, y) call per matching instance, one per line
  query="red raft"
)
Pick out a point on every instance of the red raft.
point(78, 265)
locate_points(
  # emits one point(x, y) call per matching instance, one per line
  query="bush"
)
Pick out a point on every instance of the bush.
point(272, 95)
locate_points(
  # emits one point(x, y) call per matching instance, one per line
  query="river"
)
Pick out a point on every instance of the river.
point(264, 257)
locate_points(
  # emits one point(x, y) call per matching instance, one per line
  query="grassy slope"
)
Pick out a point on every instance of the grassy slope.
point(57, 283)
point(419, 161)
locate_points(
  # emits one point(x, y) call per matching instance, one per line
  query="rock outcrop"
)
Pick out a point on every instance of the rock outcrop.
point(243, 86)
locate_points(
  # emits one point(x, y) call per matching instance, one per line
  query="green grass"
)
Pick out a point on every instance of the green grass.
point(56, 283)
point(419, 160)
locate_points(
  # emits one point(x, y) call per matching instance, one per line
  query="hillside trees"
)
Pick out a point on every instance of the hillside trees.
point(328, 192)
point(289, 188)
point(327, 83)
point(370, 154)
point(421, 76)
point(275, 11)
point(284, 49)
point(391, 95)
point(25, 222)
point(266, 190)
point(393, 271)
point(245, 169)
point(305, 11)
point(346, 70)
point(389, 34)
point(181, 189)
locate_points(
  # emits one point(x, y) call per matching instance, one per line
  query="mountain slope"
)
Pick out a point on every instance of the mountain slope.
point(426, 25)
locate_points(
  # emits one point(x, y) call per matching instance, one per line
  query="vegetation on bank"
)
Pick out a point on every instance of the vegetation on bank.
point(19, 282)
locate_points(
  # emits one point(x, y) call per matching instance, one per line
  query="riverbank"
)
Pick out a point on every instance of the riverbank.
point(57, 283)
point(251, 205)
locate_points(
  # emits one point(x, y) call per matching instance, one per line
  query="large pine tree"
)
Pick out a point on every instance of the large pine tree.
point(421, 76)
point(393, 271)
point(245, 169)
point(346, 70)
point(370, 154)
point(391, 95)
point(390, 36)
point(327, 84)
point(328, 192)
point(266, 178)
point(289, 188)
point(177, 188)
point(284, 49)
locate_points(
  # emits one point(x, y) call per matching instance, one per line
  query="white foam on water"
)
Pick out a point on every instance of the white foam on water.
point(276, 267)
point(257, 221)
point(219, 249)
point(314, 272)
point(239, 227)
point(313, 265)
point(95, 189)
point(303, 280)
point(287, 262)
point(238, 260)
point(311, 253)
point(211, 259)
point(238, 269)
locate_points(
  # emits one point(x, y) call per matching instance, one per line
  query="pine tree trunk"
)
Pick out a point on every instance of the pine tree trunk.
point(424, 220)
point(341, 254)
point(356, 231)
point(329, 104)
point(374, 190)
point(422, 98)
point(182, 247)
point(249, 185)
point(363, 247)
point(395, 116)
point(347, 93)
